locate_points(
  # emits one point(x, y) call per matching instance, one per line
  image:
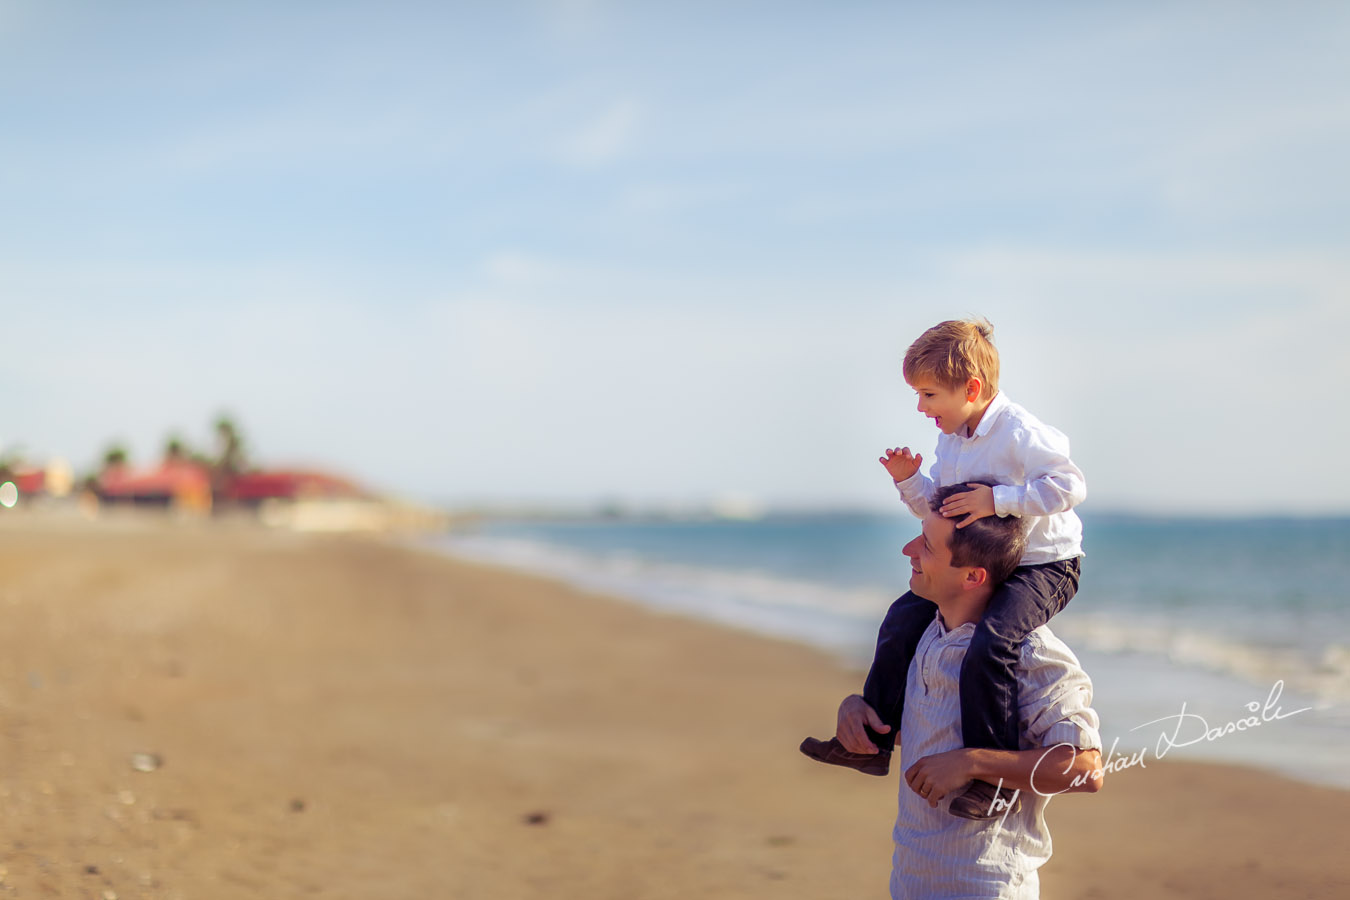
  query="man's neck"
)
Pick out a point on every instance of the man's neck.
point(960, 610)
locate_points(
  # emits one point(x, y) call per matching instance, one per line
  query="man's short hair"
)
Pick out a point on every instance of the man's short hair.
point(994, 543)
point(952, 353)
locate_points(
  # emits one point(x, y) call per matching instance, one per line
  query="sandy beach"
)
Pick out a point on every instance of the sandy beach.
point(214, 710)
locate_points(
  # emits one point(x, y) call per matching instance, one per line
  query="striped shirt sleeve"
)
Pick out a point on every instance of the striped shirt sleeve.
point(1055, 695)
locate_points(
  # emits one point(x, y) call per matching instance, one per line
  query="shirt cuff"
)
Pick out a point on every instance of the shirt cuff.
point(1005, 499)
point(913, 481)
point(1067, 731)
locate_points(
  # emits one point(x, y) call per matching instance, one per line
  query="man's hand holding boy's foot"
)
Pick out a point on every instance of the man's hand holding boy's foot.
point(851, 746)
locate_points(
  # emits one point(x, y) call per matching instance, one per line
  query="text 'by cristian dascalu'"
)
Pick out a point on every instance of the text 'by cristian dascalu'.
point(1184, 729)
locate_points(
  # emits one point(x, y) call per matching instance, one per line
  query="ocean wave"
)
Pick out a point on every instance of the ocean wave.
point(838, 619)
point(844, 620)
point(1323, 673)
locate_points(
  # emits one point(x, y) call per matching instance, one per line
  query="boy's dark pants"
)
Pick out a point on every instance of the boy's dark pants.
point(989, 710)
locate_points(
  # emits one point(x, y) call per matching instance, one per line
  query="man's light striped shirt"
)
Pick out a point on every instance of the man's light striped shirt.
point(940, 855)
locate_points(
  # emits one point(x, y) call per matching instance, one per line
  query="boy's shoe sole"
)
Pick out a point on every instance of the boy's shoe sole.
point(833, 753)
point(978, 802)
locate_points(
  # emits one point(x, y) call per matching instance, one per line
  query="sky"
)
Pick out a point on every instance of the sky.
point(672, 253)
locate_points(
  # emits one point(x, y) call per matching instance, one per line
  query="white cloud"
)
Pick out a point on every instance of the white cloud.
point(515, 267)
point(605, 137)
point(1282, 164)
point(1092, 273)
point(576, 19)
point(670, 197)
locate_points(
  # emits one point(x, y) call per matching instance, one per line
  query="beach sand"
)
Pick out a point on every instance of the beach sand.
point(342, 717)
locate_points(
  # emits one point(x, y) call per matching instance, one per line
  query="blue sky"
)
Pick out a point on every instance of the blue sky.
point(668, 253)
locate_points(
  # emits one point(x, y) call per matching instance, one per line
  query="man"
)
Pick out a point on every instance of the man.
point(941, 855)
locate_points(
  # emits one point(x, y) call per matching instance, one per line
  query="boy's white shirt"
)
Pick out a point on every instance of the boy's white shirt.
point(1029, 460)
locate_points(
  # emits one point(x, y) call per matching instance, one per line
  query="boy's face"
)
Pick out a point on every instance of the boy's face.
point(950, 408)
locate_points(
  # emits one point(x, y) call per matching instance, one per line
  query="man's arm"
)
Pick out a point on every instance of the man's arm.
point(1055, 696)
point(1060, 769)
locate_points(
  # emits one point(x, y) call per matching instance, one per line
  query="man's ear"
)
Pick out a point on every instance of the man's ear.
point(976, 577)
point(973, 388)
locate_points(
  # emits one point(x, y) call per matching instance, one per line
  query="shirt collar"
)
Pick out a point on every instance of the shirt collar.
point(992, 412)
point(943, 632)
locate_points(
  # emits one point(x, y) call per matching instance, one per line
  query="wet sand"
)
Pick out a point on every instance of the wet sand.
point(342, 717)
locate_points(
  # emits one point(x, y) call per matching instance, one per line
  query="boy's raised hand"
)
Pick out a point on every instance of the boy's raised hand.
point(901, 464)
point(975, 503)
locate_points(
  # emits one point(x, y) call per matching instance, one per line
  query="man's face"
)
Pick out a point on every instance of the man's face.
point(930, 557)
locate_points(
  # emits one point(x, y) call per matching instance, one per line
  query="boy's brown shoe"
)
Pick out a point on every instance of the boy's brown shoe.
point(978, 802)
point(833, 752)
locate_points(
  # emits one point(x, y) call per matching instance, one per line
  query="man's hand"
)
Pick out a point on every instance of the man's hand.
point(854, 713)
point(975, 503)
point(936, 776)
point(901, 464)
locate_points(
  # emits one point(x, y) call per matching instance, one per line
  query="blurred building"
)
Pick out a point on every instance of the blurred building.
point(251, 489)
point(177, 484)
point(26, 483)
point(300, 499)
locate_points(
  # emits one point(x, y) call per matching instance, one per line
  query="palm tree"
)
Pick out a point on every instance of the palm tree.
point(8, 463)
point(230, 460)
point(175, 451)
point(115, 455)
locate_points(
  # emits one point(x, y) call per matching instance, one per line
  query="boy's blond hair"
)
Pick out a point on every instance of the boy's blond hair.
point(953, 352)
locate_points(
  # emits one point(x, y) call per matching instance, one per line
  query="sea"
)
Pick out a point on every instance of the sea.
point(1207, 639)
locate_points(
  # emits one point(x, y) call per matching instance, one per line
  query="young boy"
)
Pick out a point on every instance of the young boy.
point(953, 367)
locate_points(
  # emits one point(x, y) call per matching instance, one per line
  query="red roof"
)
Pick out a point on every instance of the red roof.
point(30, 481)
point(288, 484)
point(167, 480)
